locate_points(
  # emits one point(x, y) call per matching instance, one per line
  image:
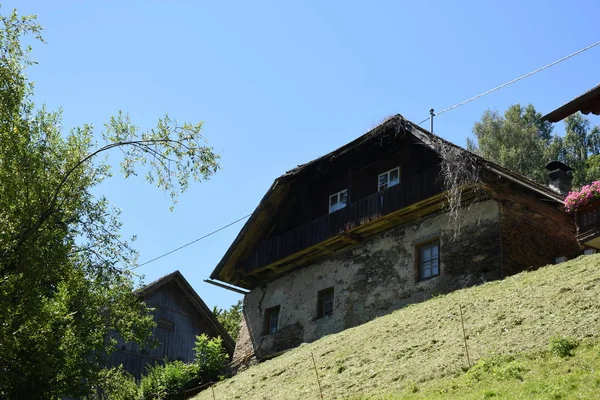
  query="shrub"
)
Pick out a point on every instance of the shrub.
point(168, 380)
point(499, 367)
point(563, 347)
point(117, 384)
point(210, 357)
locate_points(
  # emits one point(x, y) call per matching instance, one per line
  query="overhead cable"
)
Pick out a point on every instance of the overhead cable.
point(514, 80)
point(192, 242)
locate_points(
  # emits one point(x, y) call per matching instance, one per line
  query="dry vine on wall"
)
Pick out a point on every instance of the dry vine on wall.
point(460, 172)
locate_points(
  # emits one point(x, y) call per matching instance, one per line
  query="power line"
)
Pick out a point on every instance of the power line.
point(513, 81)
point(193, 241)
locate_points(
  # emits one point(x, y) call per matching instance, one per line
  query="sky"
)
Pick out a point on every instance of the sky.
point(279, 83)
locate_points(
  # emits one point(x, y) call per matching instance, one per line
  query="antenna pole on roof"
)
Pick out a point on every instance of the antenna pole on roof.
point(431, 115)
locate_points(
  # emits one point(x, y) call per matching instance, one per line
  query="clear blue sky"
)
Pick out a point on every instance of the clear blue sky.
point(280, 83)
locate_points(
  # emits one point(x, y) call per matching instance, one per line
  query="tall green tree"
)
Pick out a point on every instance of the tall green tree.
point(517, 140)
point(520, 141)
point(65, 280)
point(581, 149)
point(230, 319)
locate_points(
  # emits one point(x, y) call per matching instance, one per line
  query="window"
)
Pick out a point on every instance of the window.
point(338, 200)
point(388, 179)
point(271, 320)
point(429, 259)
point(325, 303)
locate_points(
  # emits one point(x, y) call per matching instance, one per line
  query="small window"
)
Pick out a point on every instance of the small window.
point(338, 200)
point(271, 320)
point(388, 179)
point(429, 260)
point(325, 303)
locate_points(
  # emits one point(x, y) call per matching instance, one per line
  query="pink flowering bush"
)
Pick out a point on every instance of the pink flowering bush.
point(585, 195)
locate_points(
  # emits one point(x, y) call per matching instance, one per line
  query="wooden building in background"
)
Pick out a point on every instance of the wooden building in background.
point(180, 316)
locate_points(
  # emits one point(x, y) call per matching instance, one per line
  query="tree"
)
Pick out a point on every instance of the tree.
point(65, 278)
point(519, 140)
point(230, 319)
point(581, 149)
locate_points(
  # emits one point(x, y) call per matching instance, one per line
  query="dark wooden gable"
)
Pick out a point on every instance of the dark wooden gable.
point(180, 316)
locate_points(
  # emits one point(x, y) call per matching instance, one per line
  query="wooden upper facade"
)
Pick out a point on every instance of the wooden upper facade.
point(386, 177)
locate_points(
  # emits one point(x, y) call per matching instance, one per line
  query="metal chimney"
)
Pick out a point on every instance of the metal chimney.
point(560, 177)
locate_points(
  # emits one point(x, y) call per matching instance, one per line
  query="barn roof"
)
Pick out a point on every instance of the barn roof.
point(177, 278)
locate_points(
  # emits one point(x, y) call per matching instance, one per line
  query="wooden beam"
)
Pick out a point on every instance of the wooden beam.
point(351, 237)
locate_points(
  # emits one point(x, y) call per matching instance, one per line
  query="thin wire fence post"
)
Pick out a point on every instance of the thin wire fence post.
point(317, 373)
point(462, 321)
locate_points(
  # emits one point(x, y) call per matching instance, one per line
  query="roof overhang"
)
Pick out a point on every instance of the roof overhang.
point(587, 103)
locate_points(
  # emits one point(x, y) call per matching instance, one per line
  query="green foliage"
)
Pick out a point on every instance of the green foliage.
point(210, 357)
point(118, 384)
point(581, 149)
point(501, 367)
point(168, 380)
point(230, 319)
point(563, 347)
point(65, 282)
point(520, 141)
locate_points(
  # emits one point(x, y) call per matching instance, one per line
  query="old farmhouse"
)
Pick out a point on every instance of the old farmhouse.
point(180, 316)
point(363, 230)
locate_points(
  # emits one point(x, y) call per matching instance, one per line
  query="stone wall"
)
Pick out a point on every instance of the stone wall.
point(373, 278)
point(533, 235)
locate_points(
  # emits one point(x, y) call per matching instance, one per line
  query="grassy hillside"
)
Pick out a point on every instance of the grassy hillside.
point(419, 351)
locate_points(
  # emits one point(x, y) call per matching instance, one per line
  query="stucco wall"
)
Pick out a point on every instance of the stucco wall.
point(372, 278)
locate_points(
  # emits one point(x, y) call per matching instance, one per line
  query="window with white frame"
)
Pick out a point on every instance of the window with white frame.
point(338, 200)
point(429, 259)
point(388, 179)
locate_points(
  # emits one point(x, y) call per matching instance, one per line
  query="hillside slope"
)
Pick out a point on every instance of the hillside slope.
point(423, 343)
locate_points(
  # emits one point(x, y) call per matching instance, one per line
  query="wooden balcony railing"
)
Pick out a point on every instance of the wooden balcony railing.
point(587, 220)
point(375, 206)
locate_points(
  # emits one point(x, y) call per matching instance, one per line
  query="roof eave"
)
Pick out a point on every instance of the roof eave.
point(589, 102)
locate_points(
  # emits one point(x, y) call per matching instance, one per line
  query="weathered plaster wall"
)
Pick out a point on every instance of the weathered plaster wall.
point(372, 278)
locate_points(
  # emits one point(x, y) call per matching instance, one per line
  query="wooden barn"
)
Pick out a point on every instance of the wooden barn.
point(180, 316)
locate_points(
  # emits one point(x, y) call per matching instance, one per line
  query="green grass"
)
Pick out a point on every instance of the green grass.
point(529, 375)
point(521, 333)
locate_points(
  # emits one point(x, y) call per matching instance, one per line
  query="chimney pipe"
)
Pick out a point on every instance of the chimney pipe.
point(560, 177)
